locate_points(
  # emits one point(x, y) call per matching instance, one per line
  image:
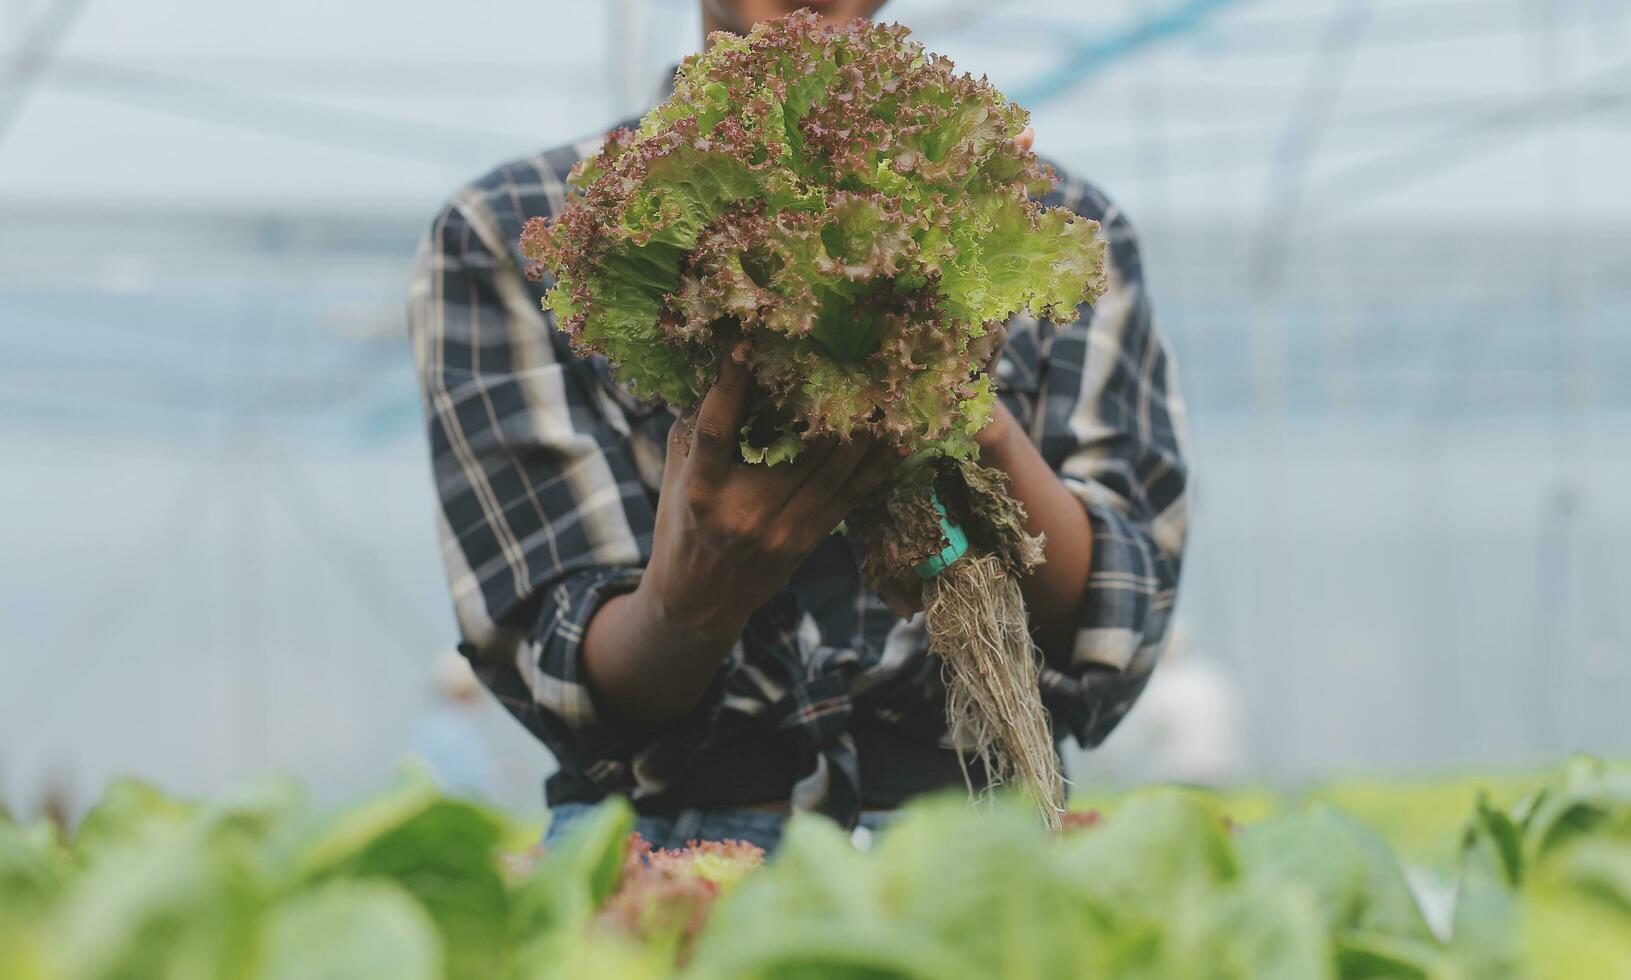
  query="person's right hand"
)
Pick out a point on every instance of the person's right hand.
point(729, 534)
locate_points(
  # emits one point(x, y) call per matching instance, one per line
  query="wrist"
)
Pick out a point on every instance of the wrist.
point(998, 435)
point(691, 627)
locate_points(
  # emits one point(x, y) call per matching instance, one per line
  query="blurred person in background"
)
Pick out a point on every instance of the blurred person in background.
point(715, 680)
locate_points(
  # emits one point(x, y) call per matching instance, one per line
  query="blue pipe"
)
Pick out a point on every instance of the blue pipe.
point(1091, 56)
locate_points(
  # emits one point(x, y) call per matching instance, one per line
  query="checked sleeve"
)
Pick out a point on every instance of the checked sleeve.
point(543, 514)
point(1104, 408)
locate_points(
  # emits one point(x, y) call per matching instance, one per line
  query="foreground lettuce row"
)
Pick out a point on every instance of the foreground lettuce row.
point(414, 885)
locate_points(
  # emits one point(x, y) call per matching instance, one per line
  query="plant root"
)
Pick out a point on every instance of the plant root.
point(977, 625)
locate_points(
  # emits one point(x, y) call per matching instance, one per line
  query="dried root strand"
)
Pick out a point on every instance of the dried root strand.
point(978, 626)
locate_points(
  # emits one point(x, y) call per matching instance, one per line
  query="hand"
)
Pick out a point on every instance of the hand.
point(729, 535)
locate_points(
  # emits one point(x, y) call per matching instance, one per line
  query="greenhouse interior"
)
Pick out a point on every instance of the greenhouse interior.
point(1387, 247)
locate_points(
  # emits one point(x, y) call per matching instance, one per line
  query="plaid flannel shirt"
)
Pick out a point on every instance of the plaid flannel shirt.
point(548, 471)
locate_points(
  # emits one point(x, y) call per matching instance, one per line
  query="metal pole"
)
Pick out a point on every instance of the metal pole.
point(626, 47)
point(35, 48)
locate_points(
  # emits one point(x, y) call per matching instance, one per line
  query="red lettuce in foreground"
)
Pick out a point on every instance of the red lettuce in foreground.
point(664, 896)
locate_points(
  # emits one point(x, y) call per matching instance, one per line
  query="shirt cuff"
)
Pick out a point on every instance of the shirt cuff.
point(1123, 624)
point(612, 754)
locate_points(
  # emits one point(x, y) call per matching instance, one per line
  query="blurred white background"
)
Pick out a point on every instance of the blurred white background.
point(1389, 240)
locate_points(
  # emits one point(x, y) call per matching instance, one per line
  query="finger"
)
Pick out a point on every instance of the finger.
point(1026, 138)
point(679, 445)
point(713, 445)
point(811, 460)
point(813, 496)
point(781, 483)
point(869, 475)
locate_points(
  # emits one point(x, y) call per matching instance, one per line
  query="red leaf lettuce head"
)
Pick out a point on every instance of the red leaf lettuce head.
point(840, 199)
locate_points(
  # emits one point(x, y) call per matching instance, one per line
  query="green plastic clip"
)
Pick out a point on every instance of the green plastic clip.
point(956, 546)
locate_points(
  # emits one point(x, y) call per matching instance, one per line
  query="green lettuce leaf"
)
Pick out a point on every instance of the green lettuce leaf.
point(179, 903)
point(34, 867)
point(128, 811)
point(347, 930)
point(1577, 913)
point(575, 878)
point(1358, 881)
point(441, 851)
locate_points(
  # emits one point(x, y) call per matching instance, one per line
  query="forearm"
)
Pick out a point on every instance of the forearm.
point(1054, 590)
point(727, 538)
point(647, 669)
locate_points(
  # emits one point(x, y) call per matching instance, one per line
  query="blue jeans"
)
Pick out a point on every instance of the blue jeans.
point(675, 830)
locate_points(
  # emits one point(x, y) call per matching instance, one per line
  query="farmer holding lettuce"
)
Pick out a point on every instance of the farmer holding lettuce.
point(771, 311)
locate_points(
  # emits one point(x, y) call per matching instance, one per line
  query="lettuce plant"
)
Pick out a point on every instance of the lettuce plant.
point(260, 885)
point(664, 896)
point(840, 199)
